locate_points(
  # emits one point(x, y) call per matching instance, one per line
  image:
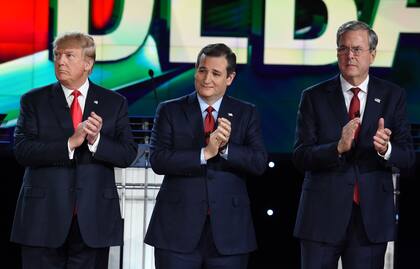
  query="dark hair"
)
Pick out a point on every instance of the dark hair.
point(217, 50)
point(358, 25)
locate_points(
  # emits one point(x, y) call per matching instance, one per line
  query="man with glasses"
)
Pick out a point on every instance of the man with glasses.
point(351, 131)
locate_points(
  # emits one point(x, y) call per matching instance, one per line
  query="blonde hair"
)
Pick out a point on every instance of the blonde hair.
point(85, 41)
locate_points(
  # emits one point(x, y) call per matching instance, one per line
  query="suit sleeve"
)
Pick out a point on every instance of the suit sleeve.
point(164, 158)
point(402, 155)
point(29, 149)
point(250, 156)
point(307, 153)
point(118, 150)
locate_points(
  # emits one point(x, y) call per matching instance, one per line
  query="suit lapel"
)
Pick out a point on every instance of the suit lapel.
point(227, 110)
point(373, 106)
point(92, 101)
point(61, 109)
point(194, 116)
point(336, 99)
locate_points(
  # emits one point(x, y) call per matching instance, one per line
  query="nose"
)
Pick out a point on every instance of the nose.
point(207, 77)
point(59, 59)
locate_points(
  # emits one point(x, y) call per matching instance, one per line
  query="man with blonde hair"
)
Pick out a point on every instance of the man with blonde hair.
point(69, 136)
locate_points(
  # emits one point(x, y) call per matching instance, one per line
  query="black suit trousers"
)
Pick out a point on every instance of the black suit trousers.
point(355, 250)
point(204, 256)
point(73, 254)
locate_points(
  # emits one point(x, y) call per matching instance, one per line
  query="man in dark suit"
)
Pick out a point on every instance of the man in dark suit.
point(351, 131)
point(70, 135)
point(202, 217)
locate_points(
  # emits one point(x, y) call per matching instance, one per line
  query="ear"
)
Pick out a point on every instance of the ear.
point(88, 64)
point(230, 78)
point(372, 56)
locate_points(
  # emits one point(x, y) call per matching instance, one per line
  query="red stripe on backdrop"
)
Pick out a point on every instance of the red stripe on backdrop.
point(23, 28)
point(24, 25)
point(101, 13)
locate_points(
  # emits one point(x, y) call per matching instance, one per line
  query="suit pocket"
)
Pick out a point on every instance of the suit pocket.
point(33, 192)
point(169, 197)
point(240, 201)
point(313, 185)
point(110, 193)
point(388, 186)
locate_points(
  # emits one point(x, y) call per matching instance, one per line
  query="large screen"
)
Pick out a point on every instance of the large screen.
point(146, 49)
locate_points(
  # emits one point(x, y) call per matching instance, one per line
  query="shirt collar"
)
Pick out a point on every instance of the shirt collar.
point(204, 105)
point(346, 86)
point(83, 89)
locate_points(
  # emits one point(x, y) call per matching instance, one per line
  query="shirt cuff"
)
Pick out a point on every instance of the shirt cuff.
point(202, 159)
point(71, 152)
point(94, 147)
point(387, 154)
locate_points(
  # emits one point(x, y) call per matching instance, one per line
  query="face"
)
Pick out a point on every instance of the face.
point(355, 68)
point(71, 67)
point(211, 79)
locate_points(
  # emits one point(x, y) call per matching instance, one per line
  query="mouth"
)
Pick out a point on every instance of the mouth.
point(351, 65)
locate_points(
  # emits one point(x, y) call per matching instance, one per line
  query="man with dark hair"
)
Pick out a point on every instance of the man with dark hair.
point(70, 135)
point(351, 131)
point(202, 217)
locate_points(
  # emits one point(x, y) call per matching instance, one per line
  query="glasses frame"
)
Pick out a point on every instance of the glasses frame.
point(357, 51)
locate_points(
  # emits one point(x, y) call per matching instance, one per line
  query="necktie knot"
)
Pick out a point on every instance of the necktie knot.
point(209, 109)
point(355, 91)
point(76, 93)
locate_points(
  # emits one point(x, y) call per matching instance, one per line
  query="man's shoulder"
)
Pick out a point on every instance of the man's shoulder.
point(104, 92)
point(383, 84)
point(40, 91)
point(237, 102)
point(189, 98)
point(323, 86)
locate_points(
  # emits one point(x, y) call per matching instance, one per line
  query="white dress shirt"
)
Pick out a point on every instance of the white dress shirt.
point(215, 113)
point(348, 95)
point(82, 100)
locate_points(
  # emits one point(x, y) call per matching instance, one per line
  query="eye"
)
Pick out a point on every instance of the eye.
point(357, 50)
point(342, 49)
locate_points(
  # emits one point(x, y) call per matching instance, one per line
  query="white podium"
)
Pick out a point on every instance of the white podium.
point(137, 188)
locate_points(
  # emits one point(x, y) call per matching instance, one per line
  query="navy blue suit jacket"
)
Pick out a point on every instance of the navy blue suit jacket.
point(53, 184)
point(327, 190)
point(189, 188)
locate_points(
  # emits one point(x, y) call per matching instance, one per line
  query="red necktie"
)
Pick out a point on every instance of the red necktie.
point(354, 111)
point(208, 123)
point(75, 109)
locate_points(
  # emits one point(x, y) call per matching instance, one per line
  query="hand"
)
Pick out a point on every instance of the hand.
point(78, 137)
point(218, 138)
point(347, 135)
point(92, 126)
point(224, 129)
point(382, 137)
